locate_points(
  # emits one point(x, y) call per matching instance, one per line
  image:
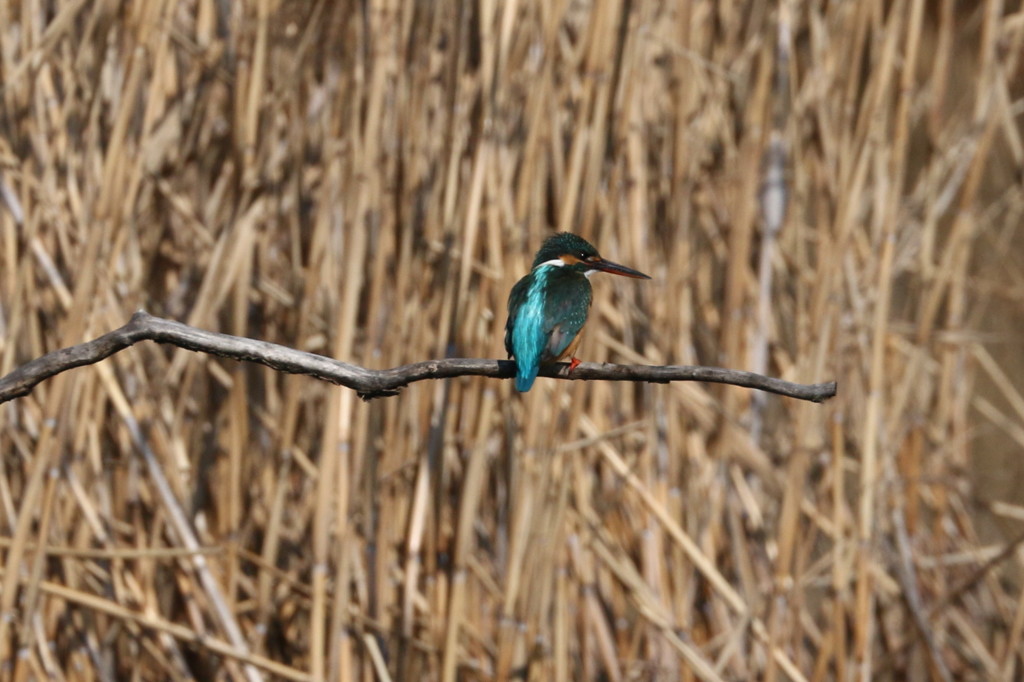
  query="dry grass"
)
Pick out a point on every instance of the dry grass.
point(367, 180)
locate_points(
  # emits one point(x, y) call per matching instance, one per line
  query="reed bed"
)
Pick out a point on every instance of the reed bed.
point(367, 181)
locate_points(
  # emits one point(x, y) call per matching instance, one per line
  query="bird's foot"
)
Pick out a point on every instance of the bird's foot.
point(573, 364)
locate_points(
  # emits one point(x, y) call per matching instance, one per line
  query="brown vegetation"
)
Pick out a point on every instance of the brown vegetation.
point(367, 181)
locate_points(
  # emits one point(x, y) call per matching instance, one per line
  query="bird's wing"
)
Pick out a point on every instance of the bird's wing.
point(565, 313)
point(515, 301)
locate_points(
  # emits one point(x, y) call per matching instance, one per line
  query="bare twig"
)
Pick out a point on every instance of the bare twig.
point(912, 595)
point(369, 383)
point(186, 536)
point(9, 198)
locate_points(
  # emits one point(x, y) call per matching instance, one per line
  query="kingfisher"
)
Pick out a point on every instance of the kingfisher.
point(548, 307)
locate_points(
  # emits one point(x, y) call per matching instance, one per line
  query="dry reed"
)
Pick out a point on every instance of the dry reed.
point(367, 180)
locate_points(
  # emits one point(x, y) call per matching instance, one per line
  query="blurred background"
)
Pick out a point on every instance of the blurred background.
point(366, 180)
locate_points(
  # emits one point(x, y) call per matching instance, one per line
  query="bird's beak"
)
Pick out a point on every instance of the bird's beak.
point(616, 269)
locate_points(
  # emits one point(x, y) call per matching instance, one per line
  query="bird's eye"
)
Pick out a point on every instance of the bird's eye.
point(583, 256)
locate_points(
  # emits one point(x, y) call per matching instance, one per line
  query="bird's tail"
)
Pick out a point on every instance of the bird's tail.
point(525, 376)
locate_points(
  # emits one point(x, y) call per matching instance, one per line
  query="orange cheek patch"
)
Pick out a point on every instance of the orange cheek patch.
point(569, 259)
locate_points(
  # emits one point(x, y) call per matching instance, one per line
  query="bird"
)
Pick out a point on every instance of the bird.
point(548, 307)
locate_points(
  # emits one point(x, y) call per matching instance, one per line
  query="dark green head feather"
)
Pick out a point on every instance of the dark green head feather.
point(565, 244)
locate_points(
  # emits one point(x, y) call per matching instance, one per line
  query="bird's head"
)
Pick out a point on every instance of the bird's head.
point(572, 251)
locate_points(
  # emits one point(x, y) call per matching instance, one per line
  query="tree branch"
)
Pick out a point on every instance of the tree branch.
point(369, 383)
